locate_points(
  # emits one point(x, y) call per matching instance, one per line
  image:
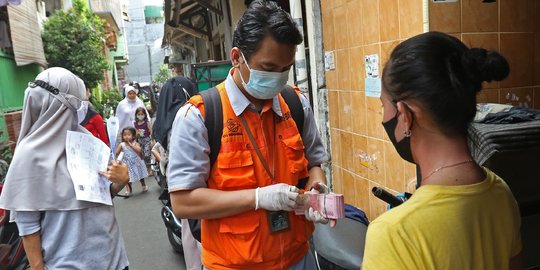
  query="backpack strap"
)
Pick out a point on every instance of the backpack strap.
point(213, 120)
point(295, 106)
point(297, 112)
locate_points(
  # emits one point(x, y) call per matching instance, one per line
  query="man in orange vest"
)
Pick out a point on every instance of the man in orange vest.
point(246, 197)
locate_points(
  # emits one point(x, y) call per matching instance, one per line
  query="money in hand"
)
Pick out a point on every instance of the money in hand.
point(330, 205)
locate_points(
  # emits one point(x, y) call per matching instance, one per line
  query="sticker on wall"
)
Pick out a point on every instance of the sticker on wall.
point(369, 161)
point(372, 81)
point(329, 63)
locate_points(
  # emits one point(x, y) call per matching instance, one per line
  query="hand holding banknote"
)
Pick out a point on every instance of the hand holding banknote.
point(314, 215)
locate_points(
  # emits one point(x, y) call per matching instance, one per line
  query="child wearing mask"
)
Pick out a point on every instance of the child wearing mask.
point(144, 133)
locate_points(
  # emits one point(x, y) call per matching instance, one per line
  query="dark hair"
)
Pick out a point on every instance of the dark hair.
point(130, 129)
point(440, 72)
point(138, 110)
point(263, 18)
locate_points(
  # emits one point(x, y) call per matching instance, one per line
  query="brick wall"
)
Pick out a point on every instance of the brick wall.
point(13, 126)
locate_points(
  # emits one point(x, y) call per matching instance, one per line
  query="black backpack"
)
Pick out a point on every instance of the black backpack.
point(213, 120)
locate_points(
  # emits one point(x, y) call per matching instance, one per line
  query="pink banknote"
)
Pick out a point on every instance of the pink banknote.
point(329, 205)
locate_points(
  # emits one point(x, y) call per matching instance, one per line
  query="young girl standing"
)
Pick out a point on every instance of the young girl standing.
point(144, 133)
point(132, 151)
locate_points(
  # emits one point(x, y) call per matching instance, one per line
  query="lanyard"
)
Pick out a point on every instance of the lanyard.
point(257, 150)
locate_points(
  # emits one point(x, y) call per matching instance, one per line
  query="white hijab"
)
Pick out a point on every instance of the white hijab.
point(38, 178)
point(125, 111)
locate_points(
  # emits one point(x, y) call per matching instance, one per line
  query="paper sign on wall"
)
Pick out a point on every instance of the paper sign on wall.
point(372, 80)
point(373, 87)
point(329, 63)
point(372, 65)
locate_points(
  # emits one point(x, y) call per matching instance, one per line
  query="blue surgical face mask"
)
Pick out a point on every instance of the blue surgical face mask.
point(264, 84)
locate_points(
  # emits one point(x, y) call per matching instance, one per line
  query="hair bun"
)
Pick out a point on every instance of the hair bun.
point(485, 65)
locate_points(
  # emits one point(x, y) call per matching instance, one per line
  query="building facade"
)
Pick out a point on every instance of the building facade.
point(144, 33)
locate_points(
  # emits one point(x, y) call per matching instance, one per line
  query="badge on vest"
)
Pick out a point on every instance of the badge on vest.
point(278, 221)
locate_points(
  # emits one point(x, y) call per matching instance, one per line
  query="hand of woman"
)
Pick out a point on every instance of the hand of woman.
point(118, 174)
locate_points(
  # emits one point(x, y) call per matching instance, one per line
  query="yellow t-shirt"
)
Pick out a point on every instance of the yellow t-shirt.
point(448, 227)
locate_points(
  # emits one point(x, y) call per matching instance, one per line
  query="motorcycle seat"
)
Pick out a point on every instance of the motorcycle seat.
point(342, 245)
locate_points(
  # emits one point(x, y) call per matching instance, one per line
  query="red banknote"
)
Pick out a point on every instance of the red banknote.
point(329, 205)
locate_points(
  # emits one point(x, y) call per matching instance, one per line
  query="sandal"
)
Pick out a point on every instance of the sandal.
point(144, 189)
point(127, 193)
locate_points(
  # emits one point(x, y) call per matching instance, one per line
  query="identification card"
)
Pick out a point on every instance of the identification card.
point(278, 220)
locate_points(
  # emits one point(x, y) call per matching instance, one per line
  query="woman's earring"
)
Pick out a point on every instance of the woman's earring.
point(407, 133)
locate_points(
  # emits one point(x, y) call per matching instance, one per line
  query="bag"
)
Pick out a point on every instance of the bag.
point(213, 120)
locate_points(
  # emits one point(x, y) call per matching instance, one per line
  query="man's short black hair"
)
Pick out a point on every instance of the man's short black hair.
point(263, 18)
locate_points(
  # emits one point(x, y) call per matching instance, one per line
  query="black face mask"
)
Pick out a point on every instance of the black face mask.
point(403, 147)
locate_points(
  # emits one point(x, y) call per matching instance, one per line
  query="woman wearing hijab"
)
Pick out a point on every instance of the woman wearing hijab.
point(58, 231)
point(125, 111)
point(173, 95)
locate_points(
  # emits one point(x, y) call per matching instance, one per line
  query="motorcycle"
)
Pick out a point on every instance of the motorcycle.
point(341, 247)
point(173, 224)
point(12, 255)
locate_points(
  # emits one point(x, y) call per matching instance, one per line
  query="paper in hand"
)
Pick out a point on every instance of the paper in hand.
point(86, 157)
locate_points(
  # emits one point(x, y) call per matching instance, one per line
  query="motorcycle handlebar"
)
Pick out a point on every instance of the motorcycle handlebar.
point(386, 196)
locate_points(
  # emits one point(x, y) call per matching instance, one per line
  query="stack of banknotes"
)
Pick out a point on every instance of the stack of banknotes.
point(330, 205)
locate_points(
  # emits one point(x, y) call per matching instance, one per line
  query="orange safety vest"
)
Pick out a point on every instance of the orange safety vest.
point(244, 241)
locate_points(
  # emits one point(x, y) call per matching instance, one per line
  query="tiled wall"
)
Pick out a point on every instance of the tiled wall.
point(511, 27)
point(362, 155)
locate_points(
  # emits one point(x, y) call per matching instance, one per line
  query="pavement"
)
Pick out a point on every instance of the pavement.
point(145, 235)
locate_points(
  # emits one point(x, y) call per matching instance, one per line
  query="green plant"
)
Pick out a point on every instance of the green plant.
point(163, 74)
point(109, 101)
point(74, 39)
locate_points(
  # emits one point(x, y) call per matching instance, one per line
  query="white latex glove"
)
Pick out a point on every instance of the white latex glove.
point(276, 197)
point(313, 215)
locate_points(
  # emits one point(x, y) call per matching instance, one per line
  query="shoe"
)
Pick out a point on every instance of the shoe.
point(127, 193)
point(144, 189)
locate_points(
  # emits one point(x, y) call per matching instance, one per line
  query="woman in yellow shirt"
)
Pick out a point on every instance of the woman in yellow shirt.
point(463, 216)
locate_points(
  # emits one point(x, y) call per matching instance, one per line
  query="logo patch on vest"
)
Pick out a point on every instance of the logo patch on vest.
point(287, 116)
point(232, 125)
